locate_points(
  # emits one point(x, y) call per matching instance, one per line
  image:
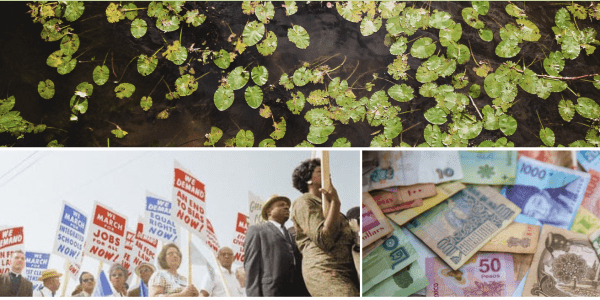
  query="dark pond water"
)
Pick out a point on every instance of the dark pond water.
point(23, 57)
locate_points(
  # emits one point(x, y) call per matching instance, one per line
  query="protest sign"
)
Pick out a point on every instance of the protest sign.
point(35, 263)
point(70, 234)
point(73, 269)
point(211, 237)
point(106, 240)
point(241, 225)
point(189, 197)
point(255, 218)
point(157, 222)
point(11, 239)
point(129, 252)
point(145, 247)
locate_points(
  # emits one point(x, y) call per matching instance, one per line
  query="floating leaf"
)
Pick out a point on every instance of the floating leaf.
point(69, 44)
point(286, 82)
point(458, 52)
point(296, 104)
point(290, 8)
point(530, 31)
point(341, 142)
point(423, 48)
point(254, 96)
point(46, 89)
point(244, 138)
point(138, 28)
point(267, 143)
point(54, 143)
point(238, 78)
point(508, 124)
point(481, 7)
point(119, 133)
point(570, 48)
point(213, 137)
point(436, 115)
point(302, 76)
point(508, 48)
point(52, 32)
point(146, 103)
point(460, 80)
point(78, 104)
point(57, 58)
point(167, 23)
point(471, 17)
point(155, 9)
point(74, 10)
point(337, 87)
point(399, 47)
point(563, 18)
point(554, 63)
point(186, 85)
point(66, 66)
point(265, 112)
point(425, 75)
point(597, 81)
point(475, 90)
point(399, 67)
point(483, 70)
point(114, 13)
point(392, 128)
point(486, 34)
point(194, 17)
point(547, 136)
point(580, 143)
point(450, 35)
point(369, 26)
point(124, 90)
point(176, 53)
point(280, 128)
point(298, 35)
point(401, 93)
point(588, 108)
point(490, 118)
point(381, 141)
point(433, 136)
point(265, 12)
point(84, 90)
point(319, 134)
point(222, 59)
point(268, 45)
point(305, 144)
point(223, 98)
point(145, 64)
point(130, 11)
point(318, 97)
point(101, 74)
point(514, 11)
point(390, 9)
point(440, 20)
point(260, 75)
point(253, 32)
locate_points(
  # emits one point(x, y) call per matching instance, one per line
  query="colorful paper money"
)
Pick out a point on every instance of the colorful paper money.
point(589, 159)
point(391, 200)
point(564, 265)
point(395, 254)
point(585, 222)
point(374, 223)
point(489, 167)
point(548, 193)
point(595, 239)
point(557, 158)
point(444, 191)
point(401, 168)
point(457, 228)
point(403, 206)
point(404, 283)
point(591, 199)
point(485, 275)
point(423, 251)
point(516, 238)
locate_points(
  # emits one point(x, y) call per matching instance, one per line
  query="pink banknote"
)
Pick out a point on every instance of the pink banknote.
point(591, 200)
point(484, 275)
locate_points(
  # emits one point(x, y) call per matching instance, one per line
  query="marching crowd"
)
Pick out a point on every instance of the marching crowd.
point(315, 259)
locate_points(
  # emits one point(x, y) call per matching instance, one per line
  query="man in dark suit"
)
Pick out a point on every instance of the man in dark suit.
point(13, 284)
point(271, 258)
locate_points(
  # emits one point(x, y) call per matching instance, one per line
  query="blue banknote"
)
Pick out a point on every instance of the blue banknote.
point(548, 193)
point(589, 160)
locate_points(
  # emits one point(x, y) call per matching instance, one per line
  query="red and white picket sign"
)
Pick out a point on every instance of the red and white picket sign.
point(190, 202)
point(241, 225)
point(211, 237)
point(107, 235)
point(11, 239)
point(146, 247)
point(129, 252)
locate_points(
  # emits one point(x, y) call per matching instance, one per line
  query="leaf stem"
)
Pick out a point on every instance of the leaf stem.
point(357, 63)
point(196, 79)
point(477, 109)
point(158, 50)
point(156, 85)
point(473, 55)
point(105, 56)
point(126, 68)
point(538, 115)
point(558, 77)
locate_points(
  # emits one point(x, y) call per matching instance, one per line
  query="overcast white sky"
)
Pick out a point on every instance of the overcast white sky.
point(33, 185)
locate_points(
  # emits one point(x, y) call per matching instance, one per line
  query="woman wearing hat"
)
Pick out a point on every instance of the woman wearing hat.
point(325, 241)
point(51, 281)
point(144, 271)
point(167, 282)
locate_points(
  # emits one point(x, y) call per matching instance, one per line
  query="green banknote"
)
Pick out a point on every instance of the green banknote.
point(489, 167)
point(395, 254)
point(404, 283)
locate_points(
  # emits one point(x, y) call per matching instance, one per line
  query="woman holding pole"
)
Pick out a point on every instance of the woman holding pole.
point(167, 282)
point(323, 236)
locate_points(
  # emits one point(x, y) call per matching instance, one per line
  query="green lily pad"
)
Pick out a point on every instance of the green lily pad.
point(67, 66)
point(508, 124)
point(515, 11)
point(253, 33)
point(223, 98)
point(580, 143)
point(265, 12)
point(302, 76)
point(337, 87)
point(481, 7)
point(547, 136)
point(399, 67)
point(566, 110)
point(74, 10)
point(267, 143)
point(490, 118)
point(194, 17)
point(349, 11)
point(155, 9)
point(244, 138)
point(290, 8)
point(69, 44)
point(176, 53)
point(319, 134)
point(260, 75)
point(57, 58)
point(475, 90)
point(597, 81)
point(563, 18)
point(486, 34)
point(423, 48)
point(51, 31)
point(124, 90)
point(450, 35)
point(425, 75)
point(380, 141)
point(222, 59)
point(428, 90)
point(530, 31)
point(401, 93)
point(268, 45)
point(119, 133)
point(238, 78)
point(101, 74)
point(468, 129)
point(390, 9)
point(440, 20)
point(168, 23)
point(508, 48)
point(46, 89)
point(280, 128)
point(392, 128)
point(298, 35)
point(318, 117)
point(138, 28)
point(458, 52)
point(114, 13)
point(146, 65)
point(146, 103)
point(296, 104)
point(305, 144)
point(460, 80)
point(588, 108)
point(436, 115)
point(554, 63)
point(186, 85)
point(286, 82)
point(570, 48)
point(319, 97)
point(433, 136)
point(471, 17)
point(254, 96)
point(447, 68)
point(84, 90)
point(368, 26)
point(78, 104)
point(399, 47)
point(341, 142)
point(214, 136)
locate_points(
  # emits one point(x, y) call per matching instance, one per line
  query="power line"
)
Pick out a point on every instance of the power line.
point(29, 166)
point(20, 163)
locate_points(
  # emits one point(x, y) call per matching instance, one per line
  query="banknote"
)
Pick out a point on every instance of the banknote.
point(595, 239)
point(591, 199)
point(521, 218)
point(515, 238)
point(374, 223)
point(564, 265)
point(455, 229)
point(423, 251)
point(548, 193)
point(404, 283)
point(367, 249)
point(585, 222)
point(489, 167)
point(389, 200)
point(557, 158)
point(395, 254)
point(403, 206)
point(589, 159)
point(444, 191)
point(412, 167)
point(519, 291)
point(484, 275)
point(521, 263)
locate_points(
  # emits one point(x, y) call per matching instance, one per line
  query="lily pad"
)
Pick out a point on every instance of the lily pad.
point(280, 128)
point(214, 136)
point(554, 63)
point(319, 134)
point(302, 76)
point(296, 104)
point(401, 93)
point(399, 46)
point(244, 138)
point(475, 90)
point(124, 90)
point(436, 115)
point(168, 23)
point(146, 103)
point(515, 11)
point(423, 48)
point(547, 136)
point(57, 58)
point(145, 64)
point(588, 108)
point(471, 17)
point(530, 31)
point(298, 35)
point(101, 74)
point(337, 87)
point(84, 90)
point(67, 66)
point(254, 96)
point(130, 11)
point(570, 48)
point(114, 13)
point(481, 7)
point(368, 26)
point(46, 89)
point(319, 97)
point(260, 75)
point(341, 142)
point(194, 17)
point(267, 142)
point(508, 48)
point(186, 85)
point(380, 141)
point(392, 128)
point(176, 53)
point(138, 28)
point(52, 32)
point(566, 110)
point(459, 52)
point(450, 35)
point(222, 59)
point(486, 34)
point(425, 75)
point(223, 98)
point(440, 20)
point(119, 133)
point(290, 8)
point(433, 136)
point(268, 45)
point(508, 124)
point(253, 33)
point(265, 12)
point(78, 105)
point(74, 10)
point(238, 78)
point(69, 44)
